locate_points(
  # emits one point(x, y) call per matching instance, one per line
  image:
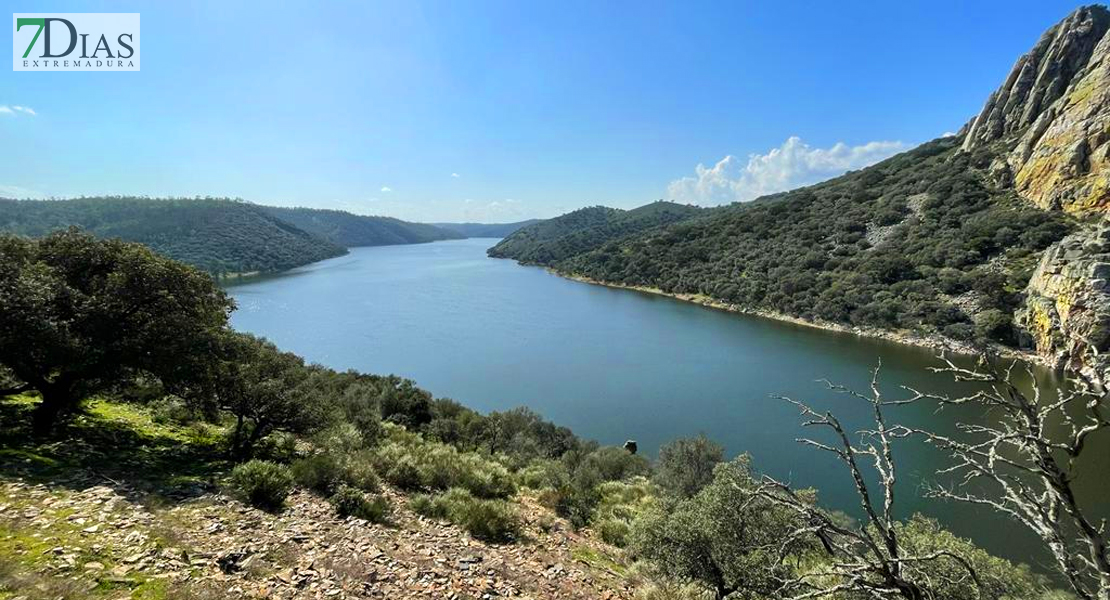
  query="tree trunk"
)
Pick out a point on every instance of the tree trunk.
point(57, 399)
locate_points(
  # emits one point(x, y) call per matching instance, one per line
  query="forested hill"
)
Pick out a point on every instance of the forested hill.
point(217, 235)
point(554, 240)
point(352, 230)
point(963, 237)
point(485, 230)
point(922, 241)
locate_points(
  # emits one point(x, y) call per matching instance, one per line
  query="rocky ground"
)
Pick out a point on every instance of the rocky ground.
point(126, 508)
point(81, 536)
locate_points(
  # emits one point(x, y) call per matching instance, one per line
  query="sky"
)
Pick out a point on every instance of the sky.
point(498, 111)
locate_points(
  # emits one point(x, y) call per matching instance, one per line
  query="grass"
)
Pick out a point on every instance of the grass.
point(30, 565)
point(598, 560)
point(111, 439)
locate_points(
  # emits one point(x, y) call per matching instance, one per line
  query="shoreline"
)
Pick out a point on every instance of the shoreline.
point(932, 342)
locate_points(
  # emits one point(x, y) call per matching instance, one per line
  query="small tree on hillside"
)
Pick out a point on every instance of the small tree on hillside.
point(78, 315)
point(686, 465)
point(265, 389)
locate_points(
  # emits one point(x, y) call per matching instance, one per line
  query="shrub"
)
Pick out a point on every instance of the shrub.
point(261, 484)
point(543, 473)
point(686, 465)
point(614, 531)
point(609, 463)
point(320, 473)
point(340, 439)
point(278, 447)
point(577, 504)
point(350, 502)
point(359, 472)
point(490, 520)
point(410, 462)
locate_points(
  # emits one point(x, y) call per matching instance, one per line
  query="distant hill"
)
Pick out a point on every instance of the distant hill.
point(220, 236)
point(551, 241)
point(350, 230)
point(485, 230)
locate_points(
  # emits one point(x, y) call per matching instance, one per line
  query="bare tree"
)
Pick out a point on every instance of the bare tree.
point(1024, 465)
point(869, 558)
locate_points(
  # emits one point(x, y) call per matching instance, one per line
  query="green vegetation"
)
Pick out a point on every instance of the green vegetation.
point(221, 236)
point(686, 465)
point(486, 519)
point(922, 241)
point(350, 230)
point(262, 484)
point(352, 502)
point(82, 315)
point(554, 240)
point(158, 384)
point(485, 230)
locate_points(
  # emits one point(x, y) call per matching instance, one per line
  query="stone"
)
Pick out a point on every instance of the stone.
point(1051, 118)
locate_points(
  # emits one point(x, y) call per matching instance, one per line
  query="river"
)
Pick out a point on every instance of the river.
point(616, 364)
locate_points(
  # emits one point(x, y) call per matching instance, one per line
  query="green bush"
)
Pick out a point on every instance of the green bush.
point(262, 484)
point(359, 472)
point(278, 447)
point(410, 462)
point(544, 473)
point(485, 519)
point(320, 473)
point(686, 465)
point(350, 502)
point(614, 531)
point(577, 504)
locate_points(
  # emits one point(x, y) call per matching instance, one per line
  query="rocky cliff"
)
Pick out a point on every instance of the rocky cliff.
point(1048, 127)
point(1050, 120)
point(1067, 309)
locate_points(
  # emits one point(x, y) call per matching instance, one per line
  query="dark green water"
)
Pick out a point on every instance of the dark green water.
point(614, 365)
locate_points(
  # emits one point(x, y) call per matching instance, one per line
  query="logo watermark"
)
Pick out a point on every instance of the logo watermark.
point(75, 42)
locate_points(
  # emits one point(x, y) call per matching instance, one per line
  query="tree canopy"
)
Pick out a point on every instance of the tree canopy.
point(79, 315)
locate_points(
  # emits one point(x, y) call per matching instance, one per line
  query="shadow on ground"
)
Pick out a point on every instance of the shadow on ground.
point(109, 444)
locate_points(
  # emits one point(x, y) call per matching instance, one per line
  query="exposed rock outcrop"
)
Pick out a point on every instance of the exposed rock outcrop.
point(1067, 308)
point(1051, 117)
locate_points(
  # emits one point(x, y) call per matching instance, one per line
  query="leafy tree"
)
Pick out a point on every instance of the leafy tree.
point(79, 315)
point(727, 537)
point(686, 465)
point(265, 389)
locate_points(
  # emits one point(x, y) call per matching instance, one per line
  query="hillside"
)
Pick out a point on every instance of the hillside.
point(219, 236)
point(551, 241)
point(939, 241)
point(350, 230)
point(485, 230)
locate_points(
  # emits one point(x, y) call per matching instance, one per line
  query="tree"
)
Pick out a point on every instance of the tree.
point(79, 315)
point(727, 537)
point(1028, 464)
point(686, 465)
point(882, 557)
point(265, 389)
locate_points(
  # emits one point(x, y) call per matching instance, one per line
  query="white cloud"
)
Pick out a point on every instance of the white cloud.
point(20, 193)
point(794, 164)
point(455, 175)
point(948, 134)
point(386, 189)
point(13, 110)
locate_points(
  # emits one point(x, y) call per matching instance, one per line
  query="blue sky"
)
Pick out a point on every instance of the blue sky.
point(499, 111)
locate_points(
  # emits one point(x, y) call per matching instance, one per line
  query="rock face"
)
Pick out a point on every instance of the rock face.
point(1051, 117)
point(1067, 310)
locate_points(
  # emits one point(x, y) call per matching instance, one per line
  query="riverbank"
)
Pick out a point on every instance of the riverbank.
point(935, 342)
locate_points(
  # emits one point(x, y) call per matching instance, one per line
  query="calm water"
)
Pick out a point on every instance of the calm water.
point(613, 364)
